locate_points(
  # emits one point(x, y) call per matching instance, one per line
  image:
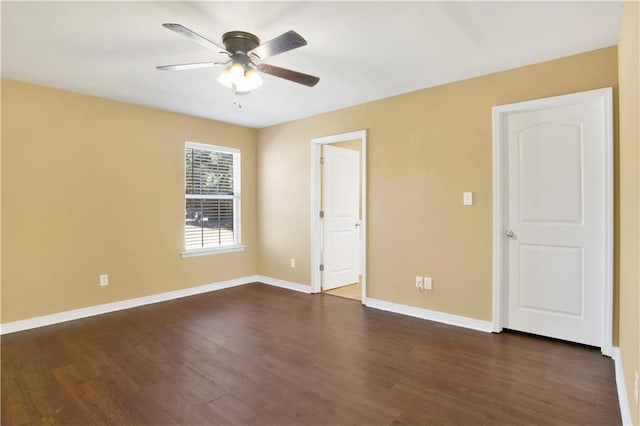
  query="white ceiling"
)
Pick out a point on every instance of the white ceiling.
point(361, 51)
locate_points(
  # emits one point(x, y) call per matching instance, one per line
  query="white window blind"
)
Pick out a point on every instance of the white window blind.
point(212, 196)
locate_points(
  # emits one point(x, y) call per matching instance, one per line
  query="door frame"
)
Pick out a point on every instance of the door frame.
point(500, 202)
point(316, 225)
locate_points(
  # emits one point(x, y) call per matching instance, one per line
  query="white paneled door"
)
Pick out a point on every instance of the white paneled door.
point(340, 200)
point(554, 224)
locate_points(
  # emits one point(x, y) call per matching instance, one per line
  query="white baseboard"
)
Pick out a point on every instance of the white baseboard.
point(284, 284)
point(625, 410)
point(12, 327)
point(412, 311)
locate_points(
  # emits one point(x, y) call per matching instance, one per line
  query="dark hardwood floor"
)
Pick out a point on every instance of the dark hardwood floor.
point(262, 355)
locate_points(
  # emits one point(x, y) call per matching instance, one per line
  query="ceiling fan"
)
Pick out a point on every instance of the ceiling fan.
point(245, 55)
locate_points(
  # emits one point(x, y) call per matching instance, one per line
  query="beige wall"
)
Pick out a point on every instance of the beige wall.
point(629, 213)
point(424, 149)
point(92, 186)
point(0, 205)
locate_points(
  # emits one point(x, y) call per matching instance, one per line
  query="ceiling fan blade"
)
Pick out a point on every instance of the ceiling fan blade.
point(186, 32)
point(283, 43)
point(295, 76)
point(180, 67)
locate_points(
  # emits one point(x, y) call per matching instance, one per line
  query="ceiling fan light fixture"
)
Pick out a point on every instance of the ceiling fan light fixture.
point(241, 78)
point(231, 75)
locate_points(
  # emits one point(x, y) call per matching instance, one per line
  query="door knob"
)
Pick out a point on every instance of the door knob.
point(509, 233)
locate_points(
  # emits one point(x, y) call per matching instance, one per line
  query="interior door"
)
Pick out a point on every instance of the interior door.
point(340, 195)
point(556, 231)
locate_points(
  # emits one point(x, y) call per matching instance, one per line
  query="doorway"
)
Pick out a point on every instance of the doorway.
point(338, 215)
point(553, 229)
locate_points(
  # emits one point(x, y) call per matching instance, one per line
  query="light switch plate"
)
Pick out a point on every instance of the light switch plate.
point(427, 283)
point(467, 198)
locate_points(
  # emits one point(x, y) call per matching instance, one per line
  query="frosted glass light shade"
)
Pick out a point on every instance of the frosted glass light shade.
point(251, 80)
point(238, 78)
point(231, 75)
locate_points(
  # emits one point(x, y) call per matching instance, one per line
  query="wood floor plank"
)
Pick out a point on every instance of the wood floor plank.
point(256, 354)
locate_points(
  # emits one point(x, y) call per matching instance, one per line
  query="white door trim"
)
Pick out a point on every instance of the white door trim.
point(499, 202)
point(316, 229)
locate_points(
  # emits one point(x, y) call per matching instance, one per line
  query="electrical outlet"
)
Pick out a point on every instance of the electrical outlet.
point(635, 389)
point(419, 283)
point(292, 262)
point(104, 280)
point(427, 283)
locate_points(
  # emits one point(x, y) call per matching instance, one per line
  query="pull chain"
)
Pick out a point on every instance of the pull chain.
point(235, 99)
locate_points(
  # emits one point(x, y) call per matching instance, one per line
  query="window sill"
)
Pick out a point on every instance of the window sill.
point(213, 250)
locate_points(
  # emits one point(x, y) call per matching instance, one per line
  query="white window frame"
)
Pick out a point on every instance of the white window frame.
point(237, 246)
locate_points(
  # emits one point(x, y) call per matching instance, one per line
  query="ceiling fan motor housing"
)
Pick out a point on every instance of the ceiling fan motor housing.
point(239, 42)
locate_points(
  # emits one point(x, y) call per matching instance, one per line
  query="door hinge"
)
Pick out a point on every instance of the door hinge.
point(321, 213)
point(321, 160)
point(321, 267)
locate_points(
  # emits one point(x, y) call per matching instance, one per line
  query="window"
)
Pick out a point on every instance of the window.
point(212, 199)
